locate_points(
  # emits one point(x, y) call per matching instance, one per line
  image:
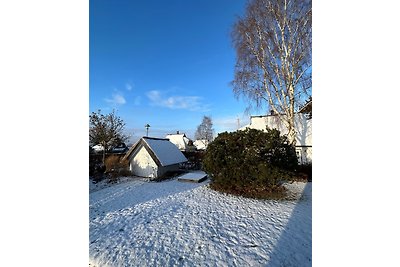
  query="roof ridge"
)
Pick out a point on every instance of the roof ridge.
point(155, 138)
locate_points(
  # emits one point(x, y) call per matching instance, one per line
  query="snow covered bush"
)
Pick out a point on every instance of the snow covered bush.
point(251, 163)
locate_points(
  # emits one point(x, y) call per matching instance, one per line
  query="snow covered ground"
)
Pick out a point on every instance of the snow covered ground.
point(172, 223)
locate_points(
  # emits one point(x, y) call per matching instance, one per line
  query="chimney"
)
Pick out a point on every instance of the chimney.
point(272, 112)
point(177, 132)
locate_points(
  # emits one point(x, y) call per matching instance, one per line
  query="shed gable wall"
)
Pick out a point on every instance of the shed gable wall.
point(142, 164)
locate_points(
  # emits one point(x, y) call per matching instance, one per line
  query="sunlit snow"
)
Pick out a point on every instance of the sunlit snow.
point(172, 223)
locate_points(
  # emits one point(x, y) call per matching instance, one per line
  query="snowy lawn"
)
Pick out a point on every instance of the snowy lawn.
point(172, 223)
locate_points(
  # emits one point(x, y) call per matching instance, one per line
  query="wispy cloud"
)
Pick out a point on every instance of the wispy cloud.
point(191, 103)
point(117, 99)
point(129, 86)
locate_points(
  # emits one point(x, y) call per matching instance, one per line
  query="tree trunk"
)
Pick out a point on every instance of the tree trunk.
point(104, 154)
point(292, 134)
point(290, 119)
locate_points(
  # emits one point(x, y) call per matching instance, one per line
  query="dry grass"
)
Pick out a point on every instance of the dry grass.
point(116, 167)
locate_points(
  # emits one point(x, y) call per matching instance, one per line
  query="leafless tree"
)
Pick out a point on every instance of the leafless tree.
point(106, 130)
point(273, 47)
point(205, 130)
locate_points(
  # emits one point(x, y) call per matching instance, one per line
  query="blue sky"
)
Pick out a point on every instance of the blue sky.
point(166, 63)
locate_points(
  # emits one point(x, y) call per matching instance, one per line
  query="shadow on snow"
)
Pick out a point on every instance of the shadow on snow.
point(294, 245)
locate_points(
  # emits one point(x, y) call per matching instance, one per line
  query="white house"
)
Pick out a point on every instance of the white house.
point(303, 125)
point(180, 140)
point(201, 144)
point(153, 157)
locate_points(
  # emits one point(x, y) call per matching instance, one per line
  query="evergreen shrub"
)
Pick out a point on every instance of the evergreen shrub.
point(251, 163)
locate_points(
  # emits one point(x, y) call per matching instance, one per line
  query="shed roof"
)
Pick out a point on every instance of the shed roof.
point(161, 150)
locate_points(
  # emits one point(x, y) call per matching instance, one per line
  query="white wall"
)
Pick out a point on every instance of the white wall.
point(303, 132)
point(304, 154)
point(142, 164)
point(302, 125)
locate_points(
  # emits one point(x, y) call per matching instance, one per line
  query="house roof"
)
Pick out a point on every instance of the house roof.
point(201, 144)
point(180, 140)
point(162, 151)
point(307, 107)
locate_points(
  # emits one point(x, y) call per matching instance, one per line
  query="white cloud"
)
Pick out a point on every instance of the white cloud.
point(191, 103)
point(129, 86)
point(117, 99)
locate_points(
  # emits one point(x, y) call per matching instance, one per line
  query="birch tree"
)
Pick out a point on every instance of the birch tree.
point(273, 48)
point(106, 130)
point(205, 131)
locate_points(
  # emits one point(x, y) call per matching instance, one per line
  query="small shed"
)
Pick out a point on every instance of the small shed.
point(152, 157)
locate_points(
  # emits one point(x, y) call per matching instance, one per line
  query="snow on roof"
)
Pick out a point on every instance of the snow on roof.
point(160, 149)
point(180, 140)
point(193, 176)
point(201, 144)
point(166, 152)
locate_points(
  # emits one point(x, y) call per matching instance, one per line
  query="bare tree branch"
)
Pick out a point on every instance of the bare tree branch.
point(273, 48)
point(106, 130)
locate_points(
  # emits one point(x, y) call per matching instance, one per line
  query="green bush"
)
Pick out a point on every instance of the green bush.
point(251, 163)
